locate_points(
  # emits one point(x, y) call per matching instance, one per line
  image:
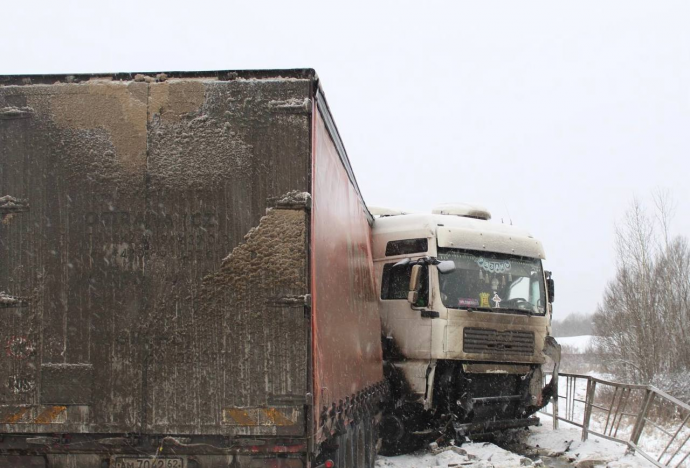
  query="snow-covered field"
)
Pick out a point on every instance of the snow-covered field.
point(546, 447)
point(578, 343)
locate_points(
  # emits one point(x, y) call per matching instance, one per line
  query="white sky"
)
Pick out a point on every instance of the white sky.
point(553, 113)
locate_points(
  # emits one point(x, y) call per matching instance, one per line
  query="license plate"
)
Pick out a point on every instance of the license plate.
point(144, 462)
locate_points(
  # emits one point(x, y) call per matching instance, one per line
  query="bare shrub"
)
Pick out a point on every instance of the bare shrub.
point(643, 321)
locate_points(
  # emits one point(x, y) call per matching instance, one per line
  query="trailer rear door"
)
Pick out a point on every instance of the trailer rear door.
point(132, 300)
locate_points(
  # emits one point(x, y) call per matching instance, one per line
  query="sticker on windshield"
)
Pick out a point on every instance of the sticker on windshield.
point(468, 302)
point(498, 266)
point(484, 300)
point(496, 300)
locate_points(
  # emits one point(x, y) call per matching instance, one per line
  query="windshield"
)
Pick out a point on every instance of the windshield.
point(492, 281)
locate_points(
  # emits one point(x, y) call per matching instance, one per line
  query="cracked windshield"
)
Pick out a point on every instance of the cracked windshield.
point(492, 281)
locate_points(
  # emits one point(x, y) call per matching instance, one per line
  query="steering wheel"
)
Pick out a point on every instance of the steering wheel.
point(519, 302)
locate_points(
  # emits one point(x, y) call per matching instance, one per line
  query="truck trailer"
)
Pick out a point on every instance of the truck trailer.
point(186, 275)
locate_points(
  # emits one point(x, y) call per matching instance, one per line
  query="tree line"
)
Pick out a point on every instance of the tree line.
point(575, 324)
point(643, 321)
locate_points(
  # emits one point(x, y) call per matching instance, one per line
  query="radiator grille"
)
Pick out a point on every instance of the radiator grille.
point(483, 340)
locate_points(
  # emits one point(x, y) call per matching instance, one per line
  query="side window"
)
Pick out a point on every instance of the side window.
point(406, 246)
point(395, 283)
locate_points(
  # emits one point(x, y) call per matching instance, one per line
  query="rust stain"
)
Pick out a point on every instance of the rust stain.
point(15, 417)
point(240, 416)
point(277, 417)
point(7, 219)
point(49, 415)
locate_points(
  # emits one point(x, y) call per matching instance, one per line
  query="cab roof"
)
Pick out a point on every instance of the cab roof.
point(455, 232)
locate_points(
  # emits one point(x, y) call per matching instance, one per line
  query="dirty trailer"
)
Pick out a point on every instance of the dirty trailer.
point(186, 275)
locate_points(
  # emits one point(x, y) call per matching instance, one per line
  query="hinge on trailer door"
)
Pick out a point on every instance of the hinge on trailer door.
point(291, 106)
point(9, 205)
point(290, 301)
point(12, 113)
point(7, 301)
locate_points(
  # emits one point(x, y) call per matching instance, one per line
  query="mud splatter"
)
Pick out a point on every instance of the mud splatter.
point(117, 111)
point(175, 98)
point(270, 255)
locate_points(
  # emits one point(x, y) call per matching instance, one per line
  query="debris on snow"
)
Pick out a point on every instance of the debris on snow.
point(541, 447)
point(480, 455)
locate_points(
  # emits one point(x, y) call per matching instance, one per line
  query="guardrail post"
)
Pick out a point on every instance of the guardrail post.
point(589, 403)
point(555, 403)
point(639, 424)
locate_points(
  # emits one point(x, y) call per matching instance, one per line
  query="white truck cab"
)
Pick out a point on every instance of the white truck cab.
point(468, 298)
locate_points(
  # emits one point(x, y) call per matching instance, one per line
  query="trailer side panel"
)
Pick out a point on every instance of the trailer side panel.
point(346, 323)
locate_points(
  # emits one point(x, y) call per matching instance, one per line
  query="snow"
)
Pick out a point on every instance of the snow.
point(653, 440)
point(578, 343)
point(546, 447)
point(472, 455)
point(565, 442)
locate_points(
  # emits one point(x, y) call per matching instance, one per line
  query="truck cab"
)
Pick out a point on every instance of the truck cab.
point(466, 311)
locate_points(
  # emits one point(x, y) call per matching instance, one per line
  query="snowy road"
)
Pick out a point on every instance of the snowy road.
point(540, 446)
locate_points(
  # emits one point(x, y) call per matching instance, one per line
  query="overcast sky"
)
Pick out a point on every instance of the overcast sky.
point(552, 114)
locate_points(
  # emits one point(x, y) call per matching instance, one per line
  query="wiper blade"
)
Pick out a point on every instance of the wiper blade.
point(513, 309)
point(480, 309)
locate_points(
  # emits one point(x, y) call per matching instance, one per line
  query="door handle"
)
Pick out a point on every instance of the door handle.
point(432, 314)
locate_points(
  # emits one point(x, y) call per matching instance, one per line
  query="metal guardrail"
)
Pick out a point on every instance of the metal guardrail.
point(648, 420)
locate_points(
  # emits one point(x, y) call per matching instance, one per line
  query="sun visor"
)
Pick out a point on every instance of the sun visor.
point(507, 243)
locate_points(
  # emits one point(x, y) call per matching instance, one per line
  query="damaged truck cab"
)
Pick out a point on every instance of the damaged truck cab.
point(466, 319)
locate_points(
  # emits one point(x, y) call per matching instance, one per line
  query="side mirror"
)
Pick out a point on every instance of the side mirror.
point(446, 266)
point(550, 289)
point(415, 283)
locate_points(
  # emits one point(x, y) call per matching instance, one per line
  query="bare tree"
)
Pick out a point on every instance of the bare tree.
point(643, 321)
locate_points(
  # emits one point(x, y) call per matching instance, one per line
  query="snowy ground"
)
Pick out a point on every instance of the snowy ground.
point(543, 447)
point(540, 446)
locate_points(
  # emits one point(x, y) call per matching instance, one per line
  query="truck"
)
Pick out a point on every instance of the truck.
point(466, 311)
point(186, 275)
point(190, 278)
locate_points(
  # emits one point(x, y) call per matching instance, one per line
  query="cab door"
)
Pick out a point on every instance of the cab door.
point(406, 327)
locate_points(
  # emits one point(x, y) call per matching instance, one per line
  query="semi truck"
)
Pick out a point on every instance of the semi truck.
point(186, 275)
point(465, 309)
point(190, 278)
